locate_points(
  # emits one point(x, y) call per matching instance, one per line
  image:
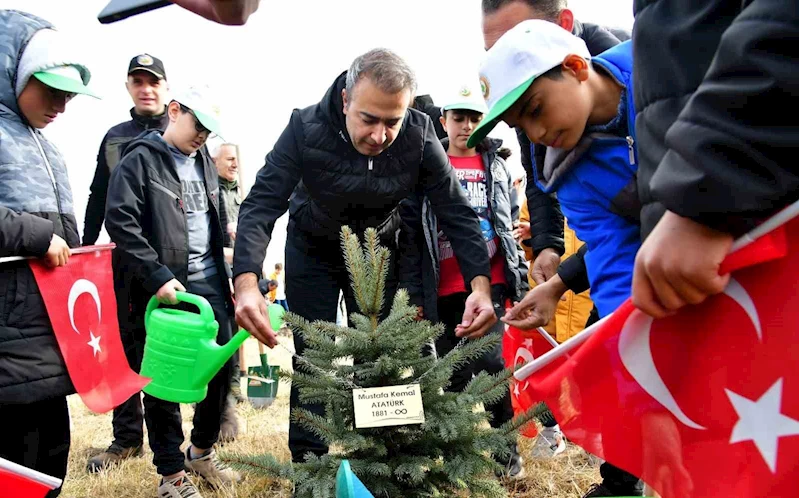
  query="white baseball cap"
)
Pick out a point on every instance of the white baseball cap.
point(200, 99)
point(521, 55)
point(467, 97)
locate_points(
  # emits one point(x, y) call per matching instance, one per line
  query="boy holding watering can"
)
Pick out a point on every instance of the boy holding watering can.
point(163, 214)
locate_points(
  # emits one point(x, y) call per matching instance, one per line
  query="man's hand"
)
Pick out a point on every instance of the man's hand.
point(521, 231)
point(478, 314)
point(231, 230)
point(251, 312)
point(678, 264)
point(419, 313)
point(229, 12)
point(538, 306)
point(167, 294)
point(58, 252)
point(545, 265)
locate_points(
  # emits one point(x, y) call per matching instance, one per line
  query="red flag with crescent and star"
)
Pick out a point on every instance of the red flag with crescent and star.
point(702, 403)
point(519, 348)
point(82, 307)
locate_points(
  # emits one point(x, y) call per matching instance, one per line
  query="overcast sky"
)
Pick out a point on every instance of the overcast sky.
point(285, 57)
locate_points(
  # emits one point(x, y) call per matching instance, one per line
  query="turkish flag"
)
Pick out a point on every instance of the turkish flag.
point(518, 348)
point(705, 402)
point(82, 307)
point(21, 482)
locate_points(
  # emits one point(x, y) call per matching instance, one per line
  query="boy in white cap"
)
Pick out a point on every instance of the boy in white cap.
point(429, 269)
point(542, 79)
point(163, 214)
point(39, 75)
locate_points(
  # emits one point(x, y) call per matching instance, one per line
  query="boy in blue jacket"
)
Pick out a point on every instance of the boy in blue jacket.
point(542, 79)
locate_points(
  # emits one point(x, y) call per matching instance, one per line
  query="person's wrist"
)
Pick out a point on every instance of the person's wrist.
point(555, 286)
point(482, 284)
point(245, 282)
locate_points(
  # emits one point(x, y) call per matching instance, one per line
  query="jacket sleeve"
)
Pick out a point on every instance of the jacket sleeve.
point(546, 219)
point(268, 199)
point(95, 208)
point(124, 211)
point(731, 153)
point(452, 208)
point(411, 244)
point(23, 234)
point(574, 273)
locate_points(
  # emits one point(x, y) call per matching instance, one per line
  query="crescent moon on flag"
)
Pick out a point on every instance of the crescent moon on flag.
point(527, 356)
point(82, 286)
point(636, 352)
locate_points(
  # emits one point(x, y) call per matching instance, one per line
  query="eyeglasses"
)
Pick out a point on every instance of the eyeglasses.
point(198, 127)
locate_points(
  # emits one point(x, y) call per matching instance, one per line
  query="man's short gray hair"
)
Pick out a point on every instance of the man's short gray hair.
point(216, 150)
point(548, 9)
point(385, 69)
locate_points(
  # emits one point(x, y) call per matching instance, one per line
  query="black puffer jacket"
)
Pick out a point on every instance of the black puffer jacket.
point(331, 184)
point(146, 220)
point(114, 142)
point(546, 220)
point(716, 94)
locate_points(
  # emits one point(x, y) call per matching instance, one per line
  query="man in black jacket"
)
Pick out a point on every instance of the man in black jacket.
point(716, 87)
point(350, 160)
point(147, 87)
point(546, 220)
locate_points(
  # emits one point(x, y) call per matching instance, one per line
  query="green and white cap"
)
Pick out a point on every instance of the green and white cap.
point(468, 97)
point(521, 55)
point(202, 102)
point(66, 78)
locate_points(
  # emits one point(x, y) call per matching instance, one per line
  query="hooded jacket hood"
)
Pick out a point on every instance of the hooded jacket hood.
point(18, 29)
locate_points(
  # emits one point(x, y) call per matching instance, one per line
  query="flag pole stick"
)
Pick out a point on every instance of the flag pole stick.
point(77, 250)
point(776, 221)
point(552, 342)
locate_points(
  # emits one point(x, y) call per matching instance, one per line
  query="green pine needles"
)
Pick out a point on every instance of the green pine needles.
point(451, 454)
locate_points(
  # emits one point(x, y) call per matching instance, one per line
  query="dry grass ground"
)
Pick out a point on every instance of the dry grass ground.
point(266, 431)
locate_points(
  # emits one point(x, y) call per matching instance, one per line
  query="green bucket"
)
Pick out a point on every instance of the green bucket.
point(262, 389)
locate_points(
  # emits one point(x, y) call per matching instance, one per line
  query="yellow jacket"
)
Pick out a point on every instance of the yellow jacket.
point(272, 294)
point(572, 313)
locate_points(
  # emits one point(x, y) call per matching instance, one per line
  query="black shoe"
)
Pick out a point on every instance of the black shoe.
point(513, 468)
point(602, 490)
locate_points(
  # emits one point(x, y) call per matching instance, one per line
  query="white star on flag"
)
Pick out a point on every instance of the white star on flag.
point(762, 423)
point(95, 343)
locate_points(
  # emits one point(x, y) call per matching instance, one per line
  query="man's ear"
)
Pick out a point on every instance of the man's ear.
point(577, 66)
point(345, 100)
point(443, 122)
point(566, 20)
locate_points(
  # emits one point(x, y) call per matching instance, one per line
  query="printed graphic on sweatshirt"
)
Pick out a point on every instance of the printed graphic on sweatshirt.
point(194, 196)
point(473, 182)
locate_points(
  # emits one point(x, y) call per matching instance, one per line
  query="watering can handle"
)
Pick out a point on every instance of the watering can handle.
point(206, 312)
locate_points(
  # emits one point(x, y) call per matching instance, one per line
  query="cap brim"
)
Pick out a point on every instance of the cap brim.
point(209, 122)
point(491, 119)
point(466, 106)
point(149, 70)
point(64, 84)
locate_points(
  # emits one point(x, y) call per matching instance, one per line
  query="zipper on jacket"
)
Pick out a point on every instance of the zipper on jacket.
point(49, 172)
point(371, 165)
point(631, 150)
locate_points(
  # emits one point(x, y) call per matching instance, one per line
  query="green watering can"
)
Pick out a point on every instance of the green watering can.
point(181, 355)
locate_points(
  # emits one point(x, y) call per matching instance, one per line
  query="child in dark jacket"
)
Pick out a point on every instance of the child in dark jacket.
point(38, 77)
point(543, 80)
point(163, 214)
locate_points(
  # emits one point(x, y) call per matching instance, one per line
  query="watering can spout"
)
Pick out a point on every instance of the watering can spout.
point(215, 356)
